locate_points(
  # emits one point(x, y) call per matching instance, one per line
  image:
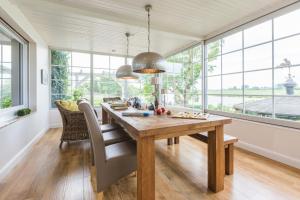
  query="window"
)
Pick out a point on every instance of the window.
point(256, 71)
point(13, 69)
point(76, 75)
point(183, 79)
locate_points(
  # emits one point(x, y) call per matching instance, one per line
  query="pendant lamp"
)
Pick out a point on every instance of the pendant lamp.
point(148, 62)
point(125, 71)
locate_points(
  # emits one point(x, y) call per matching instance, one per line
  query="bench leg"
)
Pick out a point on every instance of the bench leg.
point(229, 162)
point(176, 140)
point(170, 141)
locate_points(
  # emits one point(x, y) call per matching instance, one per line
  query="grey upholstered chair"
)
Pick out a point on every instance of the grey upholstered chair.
point(112, 162)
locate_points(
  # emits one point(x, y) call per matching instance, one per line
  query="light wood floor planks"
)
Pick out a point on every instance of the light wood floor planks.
point(181, 172)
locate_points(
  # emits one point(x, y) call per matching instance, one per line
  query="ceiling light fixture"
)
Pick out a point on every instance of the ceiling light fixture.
point(125, 71)
point(148, 62)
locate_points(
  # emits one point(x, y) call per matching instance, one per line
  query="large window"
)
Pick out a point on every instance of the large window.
point(256, 70)
point(13, 69)
point(76, 75)
point(183, 80)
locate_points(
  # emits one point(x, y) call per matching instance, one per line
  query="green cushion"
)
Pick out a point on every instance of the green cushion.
point(69, 105)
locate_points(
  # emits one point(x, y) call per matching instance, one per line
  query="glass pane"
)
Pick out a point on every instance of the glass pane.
point(286, 84)
point(287, 49)
point(258, 105)
point(287, 107)
point(6, 70)
point(259, 57)
point(80, 74)
point(80, 89)
point(232, 62)
point(258, 83)
point(232, 84)
point(60, 72)
point(258, 34)
point(287, 24)
point(214, 102)
point(214, 85)
point(81, 59)
point(61, 58)
point(100, 61)
point(177, 67)
point(197, 53)
point(116, 62)
point(169, 67)
point(214, 66)
point(232, 42)
point(232, 103)
point(213, 49)
point(6, 51)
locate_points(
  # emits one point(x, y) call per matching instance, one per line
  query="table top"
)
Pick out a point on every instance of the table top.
point(156, 125)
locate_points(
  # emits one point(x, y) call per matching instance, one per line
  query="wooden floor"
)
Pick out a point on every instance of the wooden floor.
point(181, 173)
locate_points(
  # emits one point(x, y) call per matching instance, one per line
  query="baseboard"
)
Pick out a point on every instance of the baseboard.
point(269, 154)
point(56, 125)
point(19, 156)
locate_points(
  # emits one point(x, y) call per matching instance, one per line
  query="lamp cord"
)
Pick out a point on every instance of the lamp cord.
point(148, 30)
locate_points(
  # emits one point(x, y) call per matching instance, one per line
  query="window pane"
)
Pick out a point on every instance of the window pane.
point(6, 51)
point(100, 61)
point(285, 84)
point(258, 83)
point(232, 103)
point(258, 34)
point(287, 107)
point(287, 49)
point(287, 24)
point(116, 62)
point(197, 54)
point(81, 59)
point(232, 62)
point(214, 66)
point(213, 49)
point(214, 85)
point(232, 84)
point(258, 105)
point(169, 67)
point(232, 42)
point(129, 61)
point(259, 57)
point(214, 102)
point(81, 73)
point(80, 89)
point(177, 67)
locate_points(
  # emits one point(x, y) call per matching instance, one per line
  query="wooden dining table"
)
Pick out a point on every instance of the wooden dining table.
point(145, 130)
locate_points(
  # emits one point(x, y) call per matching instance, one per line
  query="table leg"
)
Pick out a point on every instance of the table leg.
point(216, 163)
point(176, 140)
point(104, 117)
point(145, 169)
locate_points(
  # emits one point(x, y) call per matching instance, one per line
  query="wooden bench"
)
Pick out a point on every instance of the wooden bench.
point(228, 145)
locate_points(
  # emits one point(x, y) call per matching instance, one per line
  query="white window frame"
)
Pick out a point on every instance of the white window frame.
point(8, 114)
point(271, 16)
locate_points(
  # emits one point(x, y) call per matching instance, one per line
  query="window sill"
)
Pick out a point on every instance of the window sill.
point(6, 123)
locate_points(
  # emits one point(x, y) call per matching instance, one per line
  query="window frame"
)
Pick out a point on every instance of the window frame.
point(7, 114)
point(244, 116)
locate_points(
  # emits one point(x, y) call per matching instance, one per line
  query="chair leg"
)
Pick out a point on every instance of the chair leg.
point(170, 141)
point(60, 145)
point(176, 140)
point(229, 159)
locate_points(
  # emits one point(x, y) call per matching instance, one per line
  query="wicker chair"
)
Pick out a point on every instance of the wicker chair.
point(74, 125)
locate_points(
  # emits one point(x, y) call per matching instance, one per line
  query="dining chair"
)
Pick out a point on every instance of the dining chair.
point(112, 162)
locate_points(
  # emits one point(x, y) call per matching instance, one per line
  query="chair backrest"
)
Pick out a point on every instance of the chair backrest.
point(95, 133)
point(61, 111)
point(110, 99)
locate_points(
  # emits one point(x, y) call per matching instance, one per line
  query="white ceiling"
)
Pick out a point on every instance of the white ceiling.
point(100, 25)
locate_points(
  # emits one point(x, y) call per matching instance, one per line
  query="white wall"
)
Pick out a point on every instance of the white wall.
point(275, 142)
point(16, 137)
